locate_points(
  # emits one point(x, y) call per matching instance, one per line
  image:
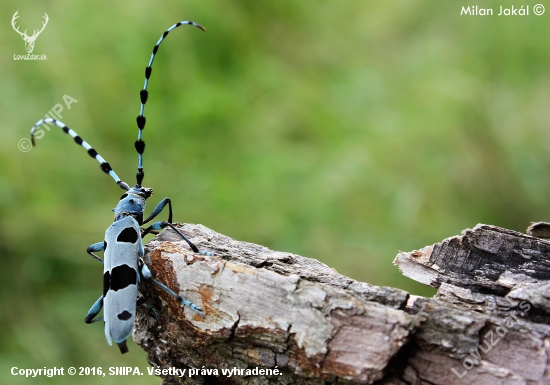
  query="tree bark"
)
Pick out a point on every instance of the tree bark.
point(267, 310)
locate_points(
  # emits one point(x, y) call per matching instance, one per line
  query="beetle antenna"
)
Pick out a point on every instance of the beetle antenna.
point(106, 167)
point(140, 144)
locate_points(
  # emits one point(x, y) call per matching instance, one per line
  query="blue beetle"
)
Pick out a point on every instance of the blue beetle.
point(124, 267)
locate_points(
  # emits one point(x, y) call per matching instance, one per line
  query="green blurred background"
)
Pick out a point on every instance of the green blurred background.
point(342, 131)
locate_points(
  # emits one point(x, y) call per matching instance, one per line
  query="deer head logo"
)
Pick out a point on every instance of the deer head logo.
point(29, 40)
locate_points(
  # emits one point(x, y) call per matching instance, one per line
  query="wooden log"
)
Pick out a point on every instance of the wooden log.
point(303, 323)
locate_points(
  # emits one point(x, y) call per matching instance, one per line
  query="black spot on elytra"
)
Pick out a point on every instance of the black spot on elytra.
point(104, 245)
point(124, 316)
point(106, 283)
point(128, 235)
point(123, 276)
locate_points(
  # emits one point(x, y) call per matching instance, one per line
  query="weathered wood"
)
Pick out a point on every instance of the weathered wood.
point(281, 311)
point(539, 229)
point(487, 259)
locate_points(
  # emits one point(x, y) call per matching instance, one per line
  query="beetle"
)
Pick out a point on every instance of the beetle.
point(123, 265)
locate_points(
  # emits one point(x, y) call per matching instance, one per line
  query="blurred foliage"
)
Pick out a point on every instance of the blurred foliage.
point(341, 131)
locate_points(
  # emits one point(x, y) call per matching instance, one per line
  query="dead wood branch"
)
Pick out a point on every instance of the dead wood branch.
point(488, 324)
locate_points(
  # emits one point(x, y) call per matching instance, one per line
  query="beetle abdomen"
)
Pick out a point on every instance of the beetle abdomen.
point(121, 279)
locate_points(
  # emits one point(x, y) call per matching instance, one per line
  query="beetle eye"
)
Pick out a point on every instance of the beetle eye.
point(124, 196)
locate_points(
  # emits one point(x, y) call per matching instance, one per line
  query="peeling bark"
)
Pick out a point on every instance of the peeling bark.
point(488, 324)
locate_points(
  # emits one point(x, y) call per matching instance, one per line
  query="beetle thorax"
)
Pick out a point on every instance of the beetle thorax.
point(132, 203)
